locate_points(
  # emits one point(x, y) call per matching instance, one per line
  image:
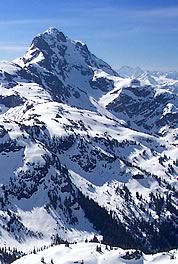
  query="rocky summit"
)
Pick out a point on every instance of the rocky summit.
point(85, 153)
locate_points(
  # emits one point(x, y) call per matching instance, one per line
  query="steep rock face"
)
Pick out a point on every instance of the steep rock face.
point(148, 108)
point(79, 144)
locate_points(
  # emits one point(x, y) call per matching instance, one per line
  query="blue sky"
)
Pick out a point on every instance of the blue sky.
point(121, 32)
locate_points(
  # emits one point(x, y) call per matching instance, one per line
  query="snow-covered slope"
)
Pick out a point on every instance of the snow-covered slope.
point(79, 144)
point(87, 253)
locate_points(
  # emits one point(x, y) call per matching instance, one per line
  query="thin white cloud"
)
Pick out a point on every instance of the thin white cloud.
point(108, 35)
point(19, 22)
point(166, 12)
point(12, 47)
point(125, 32)
point(65, 21)
point(97, 12)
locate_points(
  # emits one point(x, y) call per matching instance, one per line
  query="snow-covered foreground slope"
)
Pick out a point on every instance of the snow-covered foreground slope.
point(86, 253)
point(79, 144)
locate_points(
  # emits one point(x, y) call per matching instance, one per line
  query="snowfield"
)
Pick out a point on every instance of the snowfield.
point(86, 253)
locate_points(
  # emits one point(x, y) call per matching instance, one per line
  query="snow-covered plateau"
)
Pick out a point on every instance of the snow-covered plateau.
point(86, 153)
point(92, 253)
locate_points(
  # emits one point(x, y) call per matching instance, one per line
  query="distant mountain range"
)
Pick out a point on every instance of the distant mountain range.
point(84, 153)
point(150, 77)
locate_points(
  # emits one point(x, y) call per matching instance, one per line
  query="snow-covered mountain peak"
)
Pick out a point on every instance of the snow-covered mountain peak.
point(52, 37)
point(127, 71)
point(66, 68)
point(55, 45)
point(56, 33)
